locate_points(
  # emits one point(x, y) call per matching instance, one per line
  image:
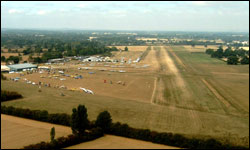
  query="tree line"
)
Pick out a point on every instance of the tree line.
point(9, 95)
point(233, 56)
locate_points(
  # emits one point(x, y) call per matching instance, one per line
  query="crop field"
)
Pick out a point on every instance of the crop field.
point(176, 89)
point(18, 132)
point(117, 142)
point(133, 52)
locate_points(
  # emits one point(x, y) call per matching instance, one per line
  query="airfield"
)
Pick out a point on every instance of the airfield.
point(177, 89)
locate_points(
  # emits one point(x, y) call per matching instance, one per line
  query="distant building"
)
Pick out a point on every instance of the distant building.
point(21, 67)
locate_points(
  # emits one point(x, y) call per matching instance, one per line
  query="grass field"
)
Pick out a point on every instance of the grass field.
point(182, 91)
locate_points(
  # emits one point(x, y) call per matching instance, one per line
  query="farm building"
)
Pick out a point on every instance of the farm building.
point(5, 68)
point(21, 67)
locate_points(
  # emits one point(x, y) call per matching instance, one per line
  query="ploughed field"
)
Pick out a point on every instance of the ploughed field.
point(175, 89)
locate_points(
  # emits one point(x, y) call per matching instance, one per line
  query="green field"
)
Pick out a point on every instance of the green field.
point(215, 102)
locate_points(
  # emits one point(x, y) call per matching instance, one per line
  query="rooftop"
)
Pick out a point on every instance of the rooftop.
point(20, 66)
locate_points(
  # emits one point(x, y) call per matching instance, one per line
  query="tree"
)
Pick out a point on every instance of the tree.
point(79, 120)
point(15, 59)
point(52, 134)
point(3, 58)
point(38, 60)
point(219, 52)
point(209, 51)
point(104, 120)
point(244, 60)
point(232, 60)
point(126, 48)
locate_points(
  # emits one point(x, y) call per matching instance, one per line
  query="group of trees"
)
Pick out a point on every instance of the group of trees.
point(15, 59)
point(232, 56)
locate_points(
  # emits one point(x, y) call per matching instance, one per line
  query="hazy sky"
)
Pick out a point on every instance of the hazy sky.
point(127, 15)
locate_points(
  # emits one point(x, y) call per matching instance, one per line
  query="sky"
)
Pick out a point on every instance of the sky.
point(211, 16)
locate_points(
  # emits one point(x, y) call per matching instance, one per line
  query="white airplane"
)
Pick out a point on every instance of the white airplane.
point(83, 89)
point(90, 92)
point(61, 72)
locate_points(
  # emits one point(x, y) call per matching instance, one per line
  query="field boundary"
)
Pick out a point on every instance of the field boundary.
point(218, 96)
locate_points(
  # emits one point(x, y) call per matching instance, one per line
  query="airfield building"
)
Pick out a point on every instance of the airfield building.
point(21, 67)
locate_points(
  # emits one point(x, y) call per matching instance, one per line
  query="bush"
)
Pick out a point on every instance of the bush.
point(70, 140)
point(7, 95)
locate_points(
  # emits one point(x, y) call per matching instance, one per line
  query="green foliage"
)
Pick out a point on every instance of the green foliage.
point(3, 58)
point(63, 142)
point(218, 53)
point(245, 60)
point(210, 51)
point(79, 120)
point(7, 95)
point(232, 60)
point(15, 59)
point(126, 48)
point(62, 119)
point(104, 121)
point(52, 134)
point(229, 52)
point(37, 60)
point(51, 55)
point(27, 51)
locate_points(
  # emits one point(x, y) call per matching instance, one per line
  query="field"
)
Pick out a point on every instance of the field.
point(18, 132)
point(181, 90)
point(117, 142)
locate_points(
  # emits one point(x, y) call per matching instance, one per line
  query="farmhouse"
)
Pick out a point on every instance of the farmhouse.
point(5, 68)
point(21, 67)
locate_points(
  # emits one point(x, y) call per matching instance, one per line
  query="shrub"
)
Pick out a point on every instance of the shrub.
point(7, 95)
point(70, 140)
